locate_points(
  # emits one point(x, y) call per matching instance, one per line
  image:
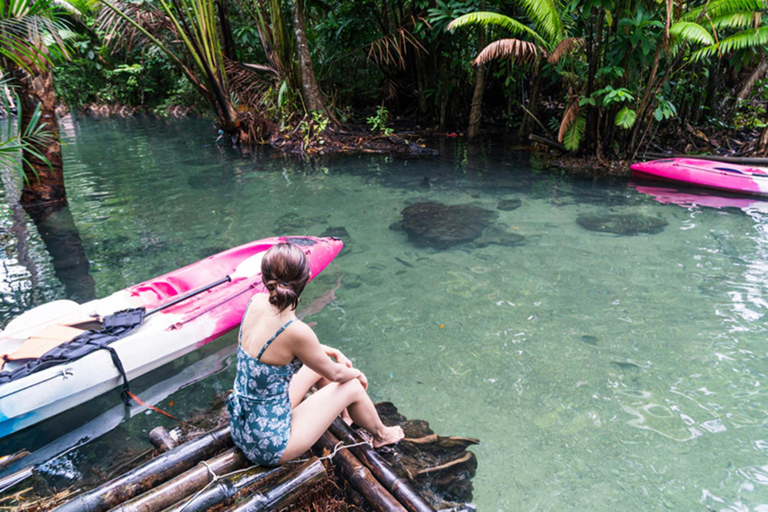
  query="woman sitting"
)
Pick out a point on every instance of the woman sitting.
point(271, 420)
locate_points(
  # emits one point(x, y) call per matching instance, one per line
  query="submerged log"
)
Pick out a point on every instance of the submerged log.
point(440, 468)
point(185, 484)
point(154, 472)
point(359, 477)
point(400, 488)
point(286, 490)
point(227, 490)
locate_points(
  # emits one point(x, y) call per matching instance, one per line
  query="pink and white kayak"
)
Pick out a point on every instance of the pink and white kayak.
point(706, 173)
point(214, 293)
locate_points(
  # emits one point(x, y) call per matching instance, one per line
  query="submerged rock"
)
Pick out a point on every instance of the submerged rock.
point(507, 205)
point(498, 235)
point(293, 223)
point(443, 226)
point(622, 224)
point(336, 232)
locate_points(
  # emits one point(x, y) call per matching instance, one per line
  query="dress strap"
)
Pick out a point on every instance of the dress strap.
point(270, 340)
point(242, 321)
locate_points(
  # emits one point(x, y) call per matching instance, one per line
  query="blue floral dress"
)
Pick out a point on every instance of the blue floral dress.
point(260, 406)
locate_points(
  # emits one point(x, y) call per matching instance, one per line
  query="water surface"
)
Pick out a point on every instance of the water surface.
point(600, 371)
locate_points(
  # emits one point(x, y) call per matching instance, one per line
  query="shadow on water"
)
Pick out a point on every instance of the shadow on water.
point(61, 237)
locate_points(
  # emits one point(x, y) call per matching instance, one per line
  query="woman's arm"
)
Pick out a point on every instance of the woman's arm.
point(337, 355)
point(316, 356)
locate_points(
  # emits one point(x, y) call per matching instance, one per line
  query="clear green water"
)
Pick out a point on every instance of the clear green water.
point(600, 372)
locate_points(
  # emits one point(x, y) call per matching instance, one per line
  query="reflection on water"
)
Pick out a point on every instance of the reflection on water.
point(600, 371)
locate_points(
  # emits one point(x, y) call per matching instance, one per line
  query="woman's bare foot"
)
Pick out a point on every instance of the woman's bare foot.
point(390, 435)
point(346, 418)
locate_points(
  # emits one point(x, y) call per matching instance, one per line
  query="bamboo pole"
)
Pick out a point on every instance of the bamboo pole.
point(185, 484)
point(359, 476)
point(381, 470)
point(226, 491)
point(286, 490)
point(162, 439)
point(154, 472)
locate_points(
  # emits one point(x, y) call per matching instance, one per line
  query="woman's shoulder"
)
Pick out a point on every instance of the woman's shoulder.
point(301, 331)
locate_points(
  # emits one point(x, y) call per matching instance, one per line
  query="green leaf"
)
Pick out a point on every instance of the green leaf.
point(575, 132)
point(625, 118)
point(493, 18)
point(691, 32)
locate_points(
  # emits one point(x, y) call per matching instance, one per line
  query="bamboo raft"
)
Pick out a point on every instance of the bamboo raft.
point(423, 473)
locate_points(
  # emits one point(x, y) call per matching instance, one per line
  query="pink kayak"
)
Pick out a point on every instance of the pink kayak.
point(706, 173)
point(168, 316)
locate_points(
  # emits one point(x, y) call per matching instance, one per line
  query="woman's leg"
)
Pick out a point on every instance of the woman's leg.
point(303, 381)
point(315, 414)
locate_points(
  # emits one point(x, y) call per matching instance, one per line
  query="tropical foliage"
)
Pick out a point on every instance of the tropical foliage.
point(607, 77)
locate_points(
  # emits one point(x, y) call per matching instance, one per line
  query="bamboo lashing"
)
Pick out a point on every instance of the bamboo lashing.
point(381, 470)
point(359, 476)
point(158, 470)
point(186, 484)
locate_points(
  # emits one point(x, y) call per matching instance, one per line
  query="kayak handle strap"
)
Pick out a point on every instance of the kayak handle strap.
point(187, 295)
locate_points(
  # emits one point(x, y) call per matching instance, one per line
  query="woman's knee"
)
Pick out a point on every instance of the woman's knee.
point(353, 388)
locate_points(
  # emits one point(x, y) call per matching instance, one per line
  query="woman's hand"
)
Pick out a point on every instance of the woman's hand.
point(363, 380)
point(338, 356)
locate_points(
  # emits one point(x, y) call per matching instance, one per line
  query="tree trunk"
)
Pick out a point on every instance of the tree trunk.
point(762, 144)
point(44, 183)
point(228, 42)
point(476, 111)
point(528, 119)
point(593, 51)
point(313, 98)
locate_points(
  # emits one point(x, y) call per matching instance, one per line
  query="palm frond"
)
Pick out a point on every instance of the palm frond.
point(575, 133)
point(493, 18)
point(718, 8)
point(738, 20)
point(691, 32)
point(569, 117)
point(566, 46)
point(546, 15)
point(516, 49)
point(391, 49)
point(752, 38)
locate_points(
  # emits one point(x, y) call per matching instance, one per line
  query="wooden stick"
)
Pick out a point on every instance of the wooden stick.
point(154, 472)
point(550, 143)
point(186, 484)
point(287, 489)
point(359, 476)
point(381, 470)
point(715, 158)
point(228, 490)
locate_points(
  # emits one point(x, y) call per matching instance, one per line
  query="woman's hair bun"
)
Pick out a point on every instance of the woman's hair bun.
point(285, 272)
